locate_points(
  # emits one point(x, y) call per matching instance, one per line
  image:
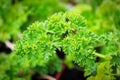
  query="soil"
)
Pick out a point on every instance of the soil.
point(4, 48)
point(67, 74)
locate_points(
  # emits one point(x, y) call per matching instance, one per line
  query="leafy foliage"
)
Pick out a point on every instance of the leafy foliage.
point(6, 70)
point(104, 72)
point(42, 39)
point(103, 19)
point(22, 13)
point(94, 45)
point(69, 32)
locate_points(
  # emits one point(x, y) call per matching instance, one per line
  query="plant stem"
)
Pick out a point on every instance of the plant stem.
point(106, 57)
point(99, 55)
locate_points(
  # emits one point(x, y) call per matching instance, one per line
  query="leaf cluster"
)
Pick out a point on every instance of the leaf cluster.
point(16, 15)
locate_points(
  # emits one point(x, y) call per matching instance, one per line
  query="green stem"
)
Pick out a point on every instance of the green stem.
point(99, 55)
point(115, 74)
point(106, 57)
